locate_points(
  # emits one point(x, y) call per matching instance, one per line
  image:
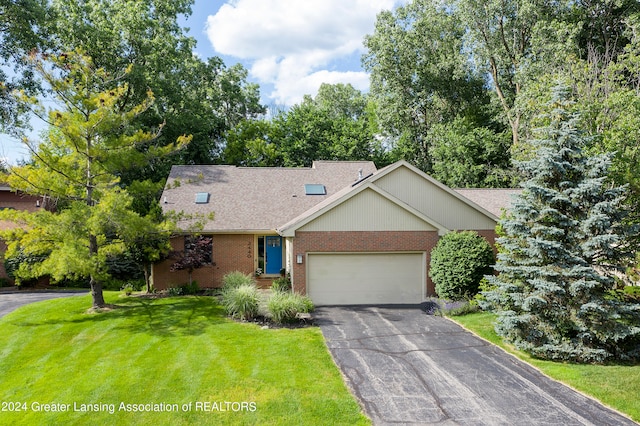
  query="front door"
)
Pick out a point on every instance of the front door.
point(273, 255)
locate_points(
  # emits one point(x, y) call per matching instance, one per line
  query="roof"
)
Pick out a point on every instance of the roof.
point(275, 199)
point(492, 200)
point(247, 199)
point(369, 183)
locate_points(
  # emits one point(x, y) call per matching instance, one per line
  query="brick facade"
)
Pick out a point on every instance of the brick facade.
point(231, 252)
point(18, 201)
point(236, 252)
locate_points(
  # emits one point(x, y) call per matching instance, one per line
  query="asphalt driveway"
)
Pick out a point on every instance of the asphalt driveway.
point(12, 300)
point(407, 367)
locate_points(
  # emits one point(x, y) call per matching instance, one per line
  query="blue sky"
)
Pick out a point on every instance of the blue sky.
point(289, 47)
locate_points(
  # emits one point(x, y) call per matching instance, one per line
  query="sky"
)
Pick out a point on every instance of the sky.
point(289, 47)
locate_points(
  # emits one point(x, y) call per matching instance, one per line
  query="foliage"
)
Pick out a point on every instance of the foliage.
point(419, 76)
point(285, 306)
point(465, 154)
point(20, 22)
point(88, 138)
point(197, 253)
point(336, 124)
point(458, 262)
point(128, 289)
point(192, 288)
point(282, 284)
point(175, 291)
point(236, 279)
point(242, 301)
point(564, 243)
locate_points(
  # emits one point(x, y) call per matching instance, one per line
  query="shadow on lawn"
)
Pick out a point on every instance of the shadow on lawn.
point(184, 316)
point(179, 316)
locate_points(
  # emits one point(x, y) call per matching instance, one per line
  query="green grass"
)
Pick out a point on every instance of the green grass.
point(165, 351)
point(617, 386)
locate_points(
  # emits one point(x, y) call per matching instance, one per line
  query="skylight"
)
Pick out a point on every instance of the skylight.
point(314, 189)
point(202, 197)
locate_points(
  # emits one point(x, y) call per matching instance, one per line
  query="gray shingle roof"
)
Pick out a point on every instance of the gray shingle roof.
point(492, 200)
point(255, 198)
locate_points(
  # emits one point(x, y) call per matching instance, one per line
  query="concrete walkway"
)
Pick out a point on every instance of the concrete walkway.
point(407, 367)
point(11, 300)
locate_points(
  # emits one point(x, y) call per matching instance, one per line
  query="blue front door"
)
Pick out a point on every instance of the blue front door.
point(273, 254)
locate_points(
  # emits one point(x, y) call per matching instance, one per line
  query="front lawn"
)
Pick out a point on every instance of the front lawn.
point(617, 386)
point(163, 361)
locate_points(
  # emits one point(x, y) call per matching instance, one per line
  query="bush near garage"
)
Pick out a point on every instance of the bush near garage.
point(458, 263)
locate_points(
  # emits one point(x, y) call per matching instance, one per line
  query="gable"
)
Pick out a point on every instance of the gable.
point(368, 210)
point(434, 199)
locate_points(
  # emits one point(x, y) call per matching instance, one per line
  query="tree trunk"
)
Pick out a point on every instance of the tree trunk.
point(96, 286)
point(147, 279)
point(96, 293)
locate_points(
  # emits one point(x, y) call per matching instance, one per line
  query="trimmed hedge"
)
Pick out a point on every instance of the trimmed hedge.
point(458, 263)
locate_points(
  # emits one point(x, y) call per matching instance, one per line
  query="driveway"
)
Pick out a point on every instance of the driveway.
point(407, 367)
point(12, 300)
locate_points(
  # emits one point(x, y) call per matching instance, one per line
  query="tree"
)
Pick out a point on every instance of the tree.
point(89, 139)
point(203, 98)
point(192, 96)
point(564, 244)
point(335, 125)
point(467, 155)
point(420, 76)
point(197, 253)
point(20, 32)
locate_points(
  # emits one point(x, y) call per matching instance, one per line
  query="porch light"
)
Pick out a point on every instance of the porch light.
point(299, 258)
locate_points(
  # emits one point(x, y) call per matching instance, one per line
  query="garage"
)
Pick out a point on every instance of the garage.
point(366, 278)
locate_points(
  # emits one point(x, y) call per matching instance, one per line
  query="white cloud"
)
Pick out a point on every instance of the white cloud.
point(295, 45)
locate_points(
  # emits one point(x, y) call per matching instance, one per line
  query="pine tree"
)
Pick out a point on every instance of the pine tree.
point(563, 244)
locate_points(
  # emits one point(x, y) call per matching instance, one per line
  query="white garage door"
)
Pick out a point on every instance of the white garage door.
point(366, 278)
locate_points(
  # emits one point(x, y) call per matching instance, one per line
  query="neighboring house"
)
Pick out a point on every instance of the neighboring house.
point(10, 199)
point(345, 232)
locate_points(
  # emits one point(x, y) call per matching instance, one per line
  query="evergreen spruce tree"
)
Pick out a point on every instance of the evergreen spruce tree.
point(563, 244)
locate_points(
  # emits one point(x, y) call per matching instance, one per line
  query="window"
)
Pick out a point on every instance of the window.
point(202, 198)
point(314, 189)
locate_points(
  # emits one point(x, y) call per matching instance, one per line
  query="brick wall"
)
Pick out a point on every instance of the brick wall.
point(231, 252)
point(18, 201)
point(367, 241)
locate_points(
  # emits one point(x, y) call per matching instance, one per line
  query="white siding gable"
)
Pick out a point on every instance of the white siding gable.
point(432, 200)
point(368, 211)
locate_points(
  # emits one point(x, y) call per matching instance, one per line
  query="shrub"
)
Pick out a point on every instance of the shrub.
point(127, 288)
point(236, 279)
point(284, 306)
point(282, 284)
point(191, 288)
point(242, 301)
point(458, 262)
point(174, 291)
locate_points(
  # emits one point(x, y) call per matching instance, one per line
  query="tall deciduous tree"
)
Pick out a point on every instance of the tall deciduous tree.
point(21, 23)
point(196, 97)
point(564, 243)
point(89, 139)
point(421, 76)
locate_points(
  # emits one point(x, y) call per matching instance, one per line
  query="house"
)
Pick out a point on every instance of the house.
point(11, 199)
point(346, 232)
